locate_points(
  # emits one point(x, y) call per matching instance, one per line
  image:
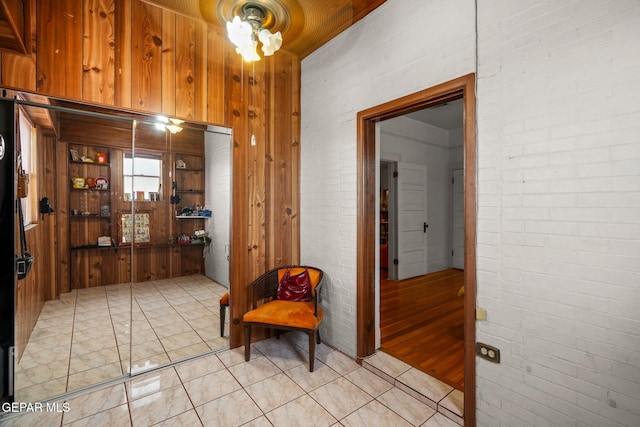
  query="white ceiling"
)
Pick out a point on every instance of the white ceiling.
point(446, 116)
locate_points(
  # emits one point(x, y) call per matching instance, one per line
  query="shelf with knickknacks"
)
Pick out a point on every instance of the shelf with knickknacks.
point(89, 197)
point(188, 197)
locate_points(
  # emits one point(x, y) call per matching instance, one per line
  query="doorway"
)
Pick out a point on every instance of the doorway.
point(421, 309)
point(367, 157)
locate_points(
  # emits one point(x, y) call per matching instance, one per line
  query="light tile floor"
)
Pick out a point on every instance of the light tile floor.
point(85, 337)
point(274, 388)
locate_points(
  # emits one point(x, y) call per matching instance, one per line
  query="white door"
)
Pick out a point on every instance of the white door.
point(457, 253)
point(412, 220)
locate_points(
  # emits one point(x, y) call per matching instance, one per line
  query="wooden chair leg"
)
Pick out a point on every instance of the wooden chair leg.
point(312, 350)
point(318, 336)
point(247, 342)
point(223, 311)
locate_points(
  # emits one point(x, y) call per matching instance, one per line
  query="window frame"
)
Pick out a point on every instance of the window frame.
point(141, 155)
point(30, 166)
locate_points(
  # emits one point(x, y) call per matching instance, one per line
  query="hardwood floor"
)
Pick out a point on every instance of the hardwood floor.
point(421, 323)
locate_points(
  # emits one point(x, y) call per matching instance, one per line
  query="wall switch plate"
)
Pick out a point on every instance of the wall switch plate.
point(481, 314)
point(490, 353)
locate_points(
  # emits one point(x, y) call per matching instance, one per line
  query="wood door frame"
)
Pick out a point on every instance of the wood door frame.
point(462, 87)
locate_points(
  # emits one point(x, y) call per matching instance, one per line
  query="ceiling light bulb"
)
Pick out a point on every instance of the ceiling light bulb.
point(249, 52)
point(240, 32)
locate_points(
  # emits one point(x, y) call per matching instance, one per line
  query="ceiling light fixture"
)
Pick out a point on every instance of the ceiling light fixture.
point(244, 32)
point(166, 123)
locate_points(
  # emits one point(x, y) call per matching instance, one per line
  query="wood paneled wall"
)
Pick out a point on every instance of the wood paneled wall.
point(39, 285)
point(132, 55)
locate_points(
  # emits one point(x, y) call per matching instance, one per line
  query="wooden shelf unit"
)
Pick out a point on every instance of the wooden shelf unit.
point(87, 220)
point(190, 184)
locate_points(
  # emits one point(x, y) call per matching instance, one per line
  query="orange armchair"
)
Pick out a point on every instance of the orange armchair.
point(269, 312)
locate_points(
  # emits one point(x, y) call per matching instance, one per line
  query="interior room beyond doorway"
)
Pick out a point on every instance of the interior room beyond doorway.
point(421, 244)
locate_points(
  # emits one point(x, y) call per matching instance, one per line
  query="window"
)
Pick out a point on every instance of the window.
point(142, 176)
point(27, 136)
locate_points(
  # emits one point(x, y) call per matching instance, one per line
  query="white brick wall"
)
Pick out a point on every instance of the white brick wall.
point(558, 91)
point(375, 61)
point(558, 215)
point(218, 199)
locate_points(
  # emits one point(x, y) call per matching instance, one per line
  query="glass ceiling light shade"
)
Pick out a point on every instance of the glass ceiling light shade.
point(240, 32)
point(174, 129)
point(165, 123)
point(245, 32)
point(270, 42)
point(249, 51)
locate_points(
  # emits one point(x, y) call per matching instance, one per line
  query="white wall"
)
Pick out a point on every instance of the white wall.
point(558, 189)
point(559, 212)
point(456, 144)
point(415, 142)
point(374, 61)
point(217, 148)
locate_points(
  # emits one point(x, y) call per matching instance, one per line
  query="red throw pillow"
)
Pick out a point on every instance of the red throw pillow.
point(295, 287)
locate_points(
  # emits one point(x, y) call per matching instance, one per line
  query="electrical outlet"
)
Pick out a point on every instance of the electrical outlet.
point(490, 353)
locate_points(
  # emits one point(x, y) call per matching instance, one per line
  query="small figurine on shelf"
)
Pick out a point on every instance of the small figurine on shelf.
point(102, 183)
point(180, 164)
point(201, 236)
point(187, 211)
point(101, 158)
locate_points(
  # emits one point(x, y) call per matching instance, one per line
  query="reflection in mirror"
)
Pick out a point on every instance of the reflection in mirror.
point(119, 294)
point(72, 330)
point(176, 306)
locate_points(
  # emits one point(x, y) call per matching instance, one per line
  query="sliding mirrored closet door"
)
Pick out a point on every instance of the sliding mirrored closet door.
point(73, 309)
point(177, 230)
point(119, 284)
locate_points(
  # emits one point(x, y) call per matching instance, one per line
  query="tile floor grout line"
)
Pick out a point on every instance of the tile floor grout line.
point(73, 324)
point(115, 334)
point(186, 320)
point(188, 397)
point(151, 324)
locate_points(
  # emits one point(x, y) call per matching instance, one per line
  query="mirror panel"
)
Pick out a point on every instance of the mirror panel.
point(73, 327)
point(134, 286)
point(176, 302)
